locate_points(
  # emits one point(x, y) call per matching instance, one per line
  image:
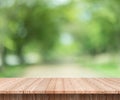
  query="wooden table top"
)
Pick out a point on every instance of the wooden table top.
point(59, 86)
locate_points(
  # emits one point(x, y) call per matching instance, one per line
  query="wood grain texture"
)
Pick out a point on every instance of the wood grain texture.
point(59, 86)
point(59, 97)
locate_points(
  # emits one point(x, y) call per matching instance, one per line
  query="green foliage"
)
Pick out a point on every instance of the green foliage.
point(12, 71)
point(94, 25)
point(109, 68)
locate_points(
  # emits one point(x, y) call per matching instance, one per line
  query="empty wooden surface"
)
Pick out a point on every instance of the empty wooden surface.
point(59, 86)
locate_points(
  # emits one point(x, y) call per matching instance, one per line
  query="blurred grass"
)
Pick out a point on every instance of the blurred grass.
point(110, 68)
point(12, 71)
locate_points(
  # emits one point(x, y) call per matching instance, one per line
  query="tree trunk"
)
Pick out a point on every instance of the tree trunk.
point(19, 53)
point(3, 53)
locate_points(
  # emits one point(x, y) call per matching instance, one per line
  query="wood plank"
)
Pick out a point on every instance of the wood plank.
point(59, 97)
point(59, 86)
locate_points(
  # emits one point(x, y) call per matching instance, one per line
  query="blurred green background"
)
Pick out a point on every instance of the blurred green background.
point(59, 38)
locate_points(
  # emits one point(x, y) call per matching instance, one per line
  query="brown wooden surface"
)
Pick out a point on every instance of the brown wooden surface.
point(59, 86)
point(58, 97)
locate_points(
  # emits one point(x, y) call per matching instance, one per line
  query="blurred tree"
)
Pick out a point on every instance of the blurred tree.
point(99, 26)
point(93, 24)
point(42, 25)
point(28, 23)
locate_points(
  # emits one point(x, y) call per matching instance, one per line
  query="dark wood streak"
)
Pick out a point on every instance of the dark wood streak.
point(59, 97)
